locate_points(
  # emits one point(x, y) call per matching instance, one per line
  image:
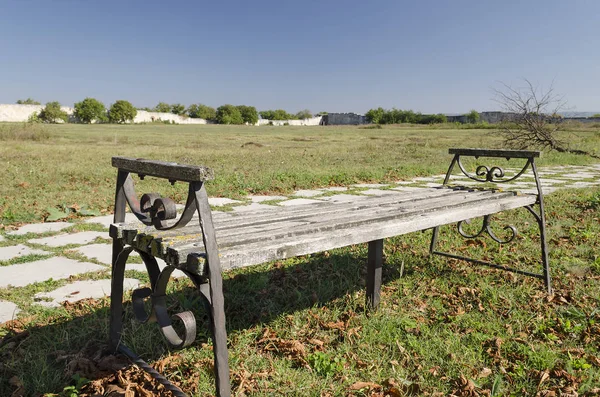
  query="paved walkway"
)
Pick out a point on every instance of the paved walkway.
point(76, 257)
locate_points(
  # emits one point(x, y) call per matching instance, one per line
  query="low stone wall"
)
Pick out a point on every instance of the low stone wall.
point(308, 122)
point(148, 117)
point(21, 113)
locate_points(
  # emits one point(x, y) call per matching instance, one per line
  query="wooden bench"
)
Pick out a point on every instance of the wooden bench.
point(203, 244)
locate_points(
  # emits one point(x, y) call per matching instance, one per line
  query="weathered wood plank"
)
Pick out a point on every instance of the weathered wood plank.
point(251, 251)
point(522, 154)
point(163, 169)
point(252, 254)
point(280, 214)
point(310, 223)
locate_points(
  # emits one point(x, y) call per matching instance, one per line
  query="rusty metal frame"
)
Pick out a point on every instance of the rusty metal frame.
point(496, 174)
point(153, 210)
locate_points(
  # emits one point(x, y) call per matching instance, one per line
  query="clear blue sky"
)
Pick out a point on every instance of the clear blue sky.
point(429, 56)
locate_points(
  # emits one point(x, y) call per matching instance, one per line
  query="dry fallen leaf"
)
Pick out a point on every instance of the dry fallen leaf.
point(363, 385)
point(485, 372)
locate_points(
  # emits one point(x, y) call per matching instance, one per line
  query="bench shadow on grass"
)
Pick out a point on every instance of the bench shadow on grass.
point(44, 358)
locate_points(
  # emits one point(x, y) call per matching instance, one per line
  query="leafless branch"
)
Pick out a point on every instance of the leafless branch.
point(532, 118)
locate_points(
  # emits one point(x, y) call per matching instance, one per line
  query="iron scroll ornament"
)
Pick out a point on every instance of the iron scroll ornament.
point(157, 296)
point(157, 211)
point(493, 174)
point(485, 228)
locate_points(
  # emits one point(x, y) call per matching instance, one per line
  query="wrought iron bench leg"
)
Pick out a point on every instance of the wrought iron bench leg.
point(210, 283)
point(495, 175)
point(374, 267)
point(216, 292)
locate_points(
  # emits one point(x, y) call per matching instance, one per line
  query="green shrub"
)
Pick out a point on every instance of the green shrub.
point(229, 114)
point(375, 116)
point(28, 101)
point(398, 116)
point(178, 109)
point(201, 111)
point(249, 114)
point(34, 118)
point(121, 112)
point(472, 116)
point(90, 109)
point(278, 114)
point(53, 114)
point(304, 114)
point(162, 107)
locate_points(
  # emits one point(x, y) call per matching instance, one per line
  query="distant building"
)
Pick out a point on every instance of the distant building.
point(343, 119)
point(487, 117)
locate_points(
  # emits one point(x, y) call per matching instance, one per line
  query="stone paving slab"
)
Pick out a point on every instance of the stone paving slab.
point(16, 251)
point(66, 239)
point(406, 188)
point(40, 228)
point(220, 201)
point(370, 185)
point(56, 267)
point(550, 180)
point(8, 311)
point(260, 199)
point(334, 189)
point(308, 193)
point(253, 207)
point(100, 252)
point(300, 201)
point(106, 220)
point(579, 175)
point(426, 179)
point(343, 198)
point(379, 192)
point(81, 290)
point(583, 184)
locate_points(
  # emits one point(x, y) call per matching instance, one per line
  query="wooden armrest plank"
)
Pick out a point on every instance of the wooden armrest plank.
point(522, 154)
point(163, 169)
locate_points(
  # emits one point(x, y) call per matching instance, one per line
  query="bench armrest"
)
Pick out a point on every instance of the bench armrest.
point(493, 174)
point(163, 169)
point(519, 154)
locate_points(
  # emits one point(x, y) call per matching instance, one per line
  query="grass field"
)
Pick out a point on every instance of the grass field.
point(70, 164)
point(299, 327)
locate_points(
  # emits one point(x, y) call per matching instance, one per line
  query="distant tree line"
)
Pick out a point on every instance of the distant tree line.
point(399, 116)
point(92, 110)
point(87, 111)
point(228, 114)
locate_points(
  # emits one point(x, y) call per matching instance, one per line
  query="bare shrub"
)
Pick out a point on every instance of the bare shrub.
point(533, 118)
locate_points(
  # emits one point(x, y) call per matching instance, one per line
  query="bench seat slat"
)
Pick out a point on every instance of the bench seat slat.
point(277, 214)
point(253, 243)
point(256, 254)
point(367, 212)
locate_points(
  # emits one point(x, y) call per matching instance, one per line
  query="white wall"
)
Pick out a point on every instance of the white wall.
point(21, 113)
point(147, 117)
point(309, 122)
